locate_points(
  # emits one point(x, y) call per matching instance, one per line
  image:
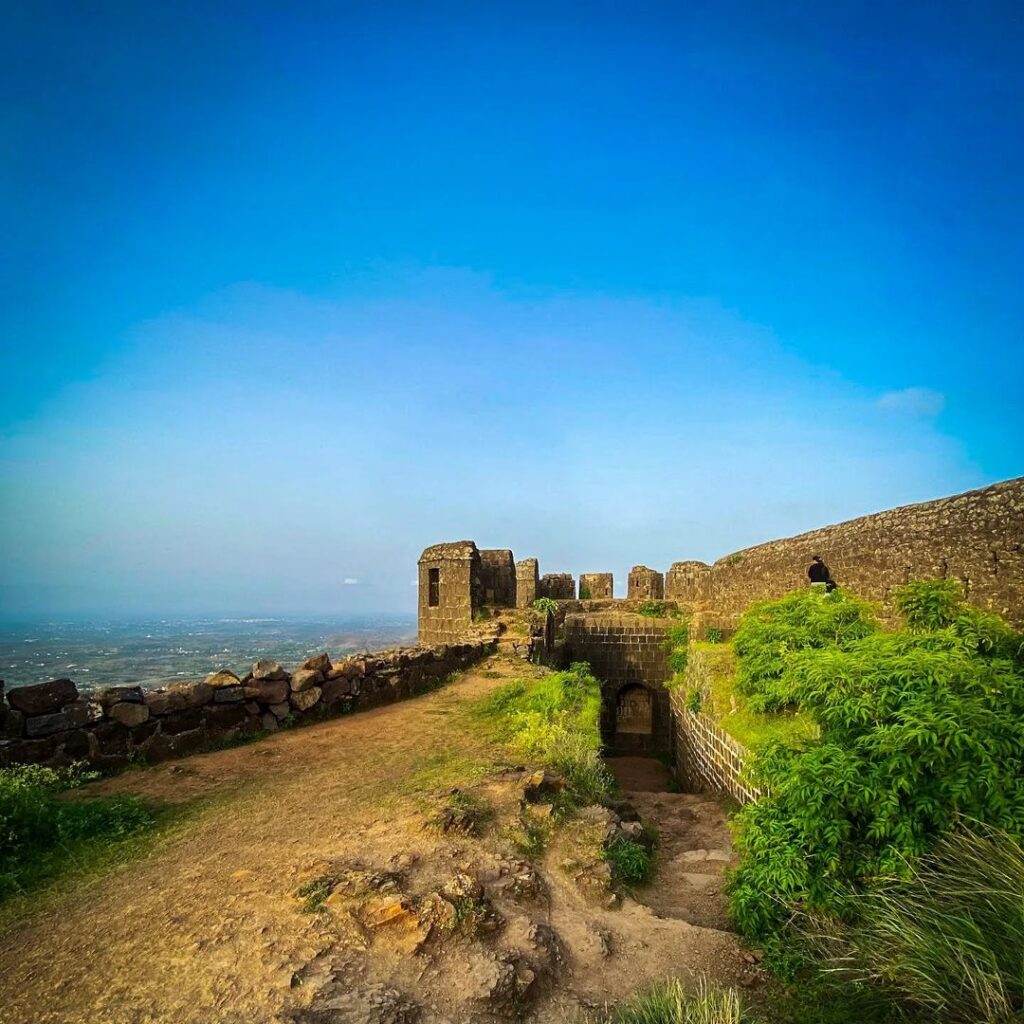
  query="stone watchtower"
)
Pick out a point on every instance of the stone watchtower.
point(451, 591)
point(646, 584)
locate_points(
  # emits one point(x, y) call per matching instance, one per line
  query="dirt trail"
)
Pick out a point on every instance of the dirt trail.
point(206, 928)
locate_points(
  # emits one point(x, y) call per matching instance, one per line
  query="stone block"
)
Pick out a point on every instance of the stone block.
point(128, 714)
point(43, 698)
point(120, 694)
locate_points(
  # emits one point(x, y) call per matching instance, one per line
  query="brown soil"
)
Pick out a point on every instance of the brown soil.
point(207, 928)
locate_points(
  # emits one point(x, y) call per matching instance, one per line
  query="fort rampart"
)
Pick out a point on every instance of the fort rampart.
point(52, 723)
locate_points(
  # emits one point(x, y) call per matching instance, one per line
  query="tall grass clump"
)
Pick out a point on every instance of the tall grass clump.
point(946, 938)
point(41, 835)
point(918, 729)
point(669, 1003)
point(555, 721)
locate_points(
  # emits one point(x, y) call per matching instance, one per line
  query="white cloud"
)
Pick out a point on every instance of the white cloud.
point(351, 581)
point(916, 401)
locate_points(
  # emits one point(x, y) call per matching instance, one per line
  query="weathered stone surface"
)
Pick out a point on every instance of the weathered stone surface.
point(159, 702)
point(194, 695)
point(82, 712)
point(228, 694)
point(13, 725)
point(269, 722)
point(280, 711)
point(120, 694)
point(111, 736)
point(130, 715)
point(182, 721)
point(335, 689)
point(350, 668)
point(304, 678)
point(43, 698)
point(31, 751)
point(222, 677)
point(266, 669)
point(221, 717)
point(305, 699)
point(45, 725)
point(77, 745)
point(318, 663)
point(268, 691)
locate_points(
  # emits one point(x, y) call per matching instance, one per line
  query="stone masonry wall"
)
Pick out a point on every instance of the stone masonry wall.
point(626, 653)
point(458, 592)
point(560, 586)
point(527, 582)
point(976, 537)
point(645, 584)
point(498, 578)
point(596, 586)
point(51, 723)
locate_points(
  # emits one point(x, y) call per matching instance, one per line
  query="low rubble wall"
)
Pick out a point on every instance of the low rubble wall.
point(51, 723)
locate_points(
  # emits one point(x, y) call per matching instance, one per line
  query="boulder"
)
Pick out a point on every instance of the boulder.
point(318, 663)
point(222, 677)
point(46, 725)
point(350, 668)
point(304, 678)
point(221, 717)
point(336, 689)
point(112, 737)
point(194, 695)
point(228, 694)
point(280, 711)
point(541, 785)
point(115, 694)
point(13, 725)
point(82, 712)
point(129, 714)
point(266, 669)
point(182, 721)
point(43, 698)
point(269, 722)
point(163, 702)
point(305, 699)
point(268, 691)
point(76, 745)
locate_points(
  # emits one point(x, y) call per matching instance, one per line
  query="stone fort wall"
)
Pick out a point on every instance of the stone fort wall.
point(976, 537)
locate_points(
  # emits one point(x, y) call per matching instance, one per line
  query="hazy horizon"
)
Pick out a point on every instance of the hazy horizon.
point(295, 294)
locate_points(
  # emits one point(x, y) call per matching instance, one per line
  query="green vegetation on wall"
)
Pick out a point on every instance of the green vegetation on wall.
point(920, 729)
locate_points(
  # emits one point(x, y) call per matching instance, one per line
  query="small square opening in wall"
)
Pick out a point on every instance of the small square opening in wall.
point(434, 587)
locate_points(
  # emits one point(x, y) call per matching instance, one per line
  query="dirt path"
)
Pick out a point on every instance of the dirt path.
point(206, 928)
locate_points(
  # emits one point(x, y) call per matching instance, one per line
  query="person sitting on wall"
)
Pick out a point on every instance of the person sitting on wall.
point(818, 572)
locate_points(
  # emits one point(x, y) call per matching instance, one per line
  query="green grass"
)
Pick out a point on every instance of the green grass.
point(554, 721)
point(729, 708)
point(631, 864)
point(670, 1003)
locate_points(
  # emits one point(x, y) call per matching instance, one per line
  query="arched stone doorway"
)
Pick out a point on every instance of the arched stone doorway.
point(634, 712)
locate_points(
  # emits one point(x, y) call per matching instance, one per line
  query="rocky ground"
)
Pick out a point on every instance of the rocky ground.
point(378, 868)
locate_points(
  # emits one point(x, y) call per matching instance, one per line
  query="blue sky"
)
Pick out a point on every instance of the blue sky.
point(291, 291)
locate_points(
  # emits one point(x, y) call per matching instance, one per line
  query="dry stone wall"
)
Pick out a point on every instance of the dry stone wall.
point(52, 723)
point(976, 537)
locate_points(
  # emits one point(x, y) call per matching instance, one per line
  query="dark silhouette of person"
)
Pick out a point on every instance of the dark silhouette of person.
point(818, 572)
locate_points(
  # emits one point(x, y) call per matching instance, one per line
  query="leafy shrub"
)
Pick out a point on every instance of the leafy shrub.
point(946, 939)
point(713, 635)
point(652, 609)
point(584, 592)
point(544, 605)
point(694, 700)
point(916, 730)
point(482, 614)
point(770, 632)
point(669, 1003)
point(555, 721)
point(39, 833)
point(630, 862)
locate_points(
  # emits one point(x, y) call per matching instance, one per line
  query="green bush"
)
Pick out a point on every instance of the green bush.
point(584, 592)
point(652, 609)
point(713, 635)
point(544, 605)
point(770, 632)
point(946, 939)
point(917, 729)
point(555, 721)
point(630, 862)
point(39, 833)
point(669, 1003)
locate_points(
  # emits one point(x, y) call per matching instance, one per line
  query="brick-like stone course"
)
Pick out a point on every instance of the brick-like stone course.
point(109, 728)
point(624, 651)
point(527, 582)
point(645, 584)
point(560, 586)
point(498, 578)
point(976, 537)
point(459, 592)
